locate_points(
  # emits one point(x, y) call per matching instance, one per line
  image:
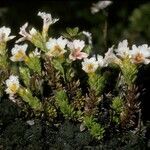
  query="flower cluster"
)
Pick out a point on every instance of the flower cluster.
point(55, 65)
point(137, 54)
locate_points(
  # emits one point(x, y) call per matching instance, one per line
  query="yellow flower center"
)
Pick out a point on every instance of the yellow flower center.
point(90, 67)
point(20, 55)
point(56, 51)
point(13, 87)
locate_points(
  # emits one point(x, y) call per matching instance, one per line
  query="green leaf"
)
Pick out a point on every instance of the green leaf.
point(25, 75)
point(34, 64)
point(69, 73)
point(66, 35)
point(3, 49)
point(117, 106)
point(58, 66)
point(33, 102)
point(87, 49)
point(72, 32)
point(129, 71)
point(65, 108)
point(95, 128)
point(97, 83)
point(39, 42)
point(75, 30)
point(3, 62)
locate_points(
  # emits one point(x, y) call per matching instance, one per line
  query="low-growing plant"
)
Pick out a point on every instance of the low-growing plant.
point(59, 78)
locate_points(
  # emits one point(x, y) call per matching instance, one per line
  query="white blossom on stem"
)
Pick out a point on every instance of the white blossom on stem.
point(47, 20)
point(101, 61)
point(140, 54)
point(4, 34)
point(90, 65)
point(110, 57)
point(26, 35)
point(12, 85)
point(123, 49)
point(76, 47)
point(56, 47)
point(19, 52)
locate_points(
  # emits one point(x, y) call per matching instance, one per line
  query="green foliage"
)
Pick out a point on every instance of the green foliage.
point(2, 48)
point(117, 106)
point(38, 41)
point(34, 64)
point(64, 67)
point(71, 33)
point(3, 62)
point(53, 88)
point(87, 49)
point(69, 73)
point(25, 75)
point(51, 111)
point(58, 65)
point(33, 102)
point(97, 83)
point(95, 128)
point(3, 76)
point(62, 101)
point(129, 71)
point(3, 56)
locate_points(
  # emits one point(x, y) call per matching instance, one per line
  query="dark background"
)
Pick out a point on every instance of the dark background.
point(123, 21)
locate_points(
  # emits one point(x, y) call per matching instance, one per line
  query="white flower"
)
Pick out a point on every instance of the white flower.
point(110, 57)
point(123, 49)
point(56, 47)
point(76, 47)
point(47, 20)
point(89, 36)
point(76, 44)
point(90, 65)
point(140, 54)
point(33, 31)
point(101, 61)
point(4, 34)
point(35, 53)
point(100, 5)
point(26, 35)
point(12, 85)
point(19, 52)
